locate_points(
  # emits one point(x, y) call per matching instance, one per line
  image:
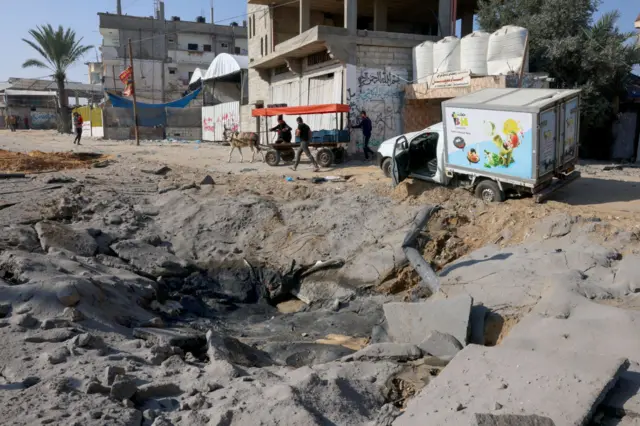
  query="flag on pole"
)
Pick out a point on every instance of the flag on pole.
point(125, 77)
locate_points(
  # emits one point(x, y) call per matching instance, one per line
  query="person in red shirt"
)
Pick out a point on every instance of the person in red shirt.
point(77, 124)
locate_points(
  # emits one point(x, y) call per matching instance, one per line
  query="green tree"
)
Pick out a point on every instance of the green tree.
point(576, 52)
point(59, 49)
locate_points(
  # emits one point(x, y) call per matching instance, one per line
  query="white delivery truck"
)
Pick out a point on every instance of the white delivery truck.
point(494, 141)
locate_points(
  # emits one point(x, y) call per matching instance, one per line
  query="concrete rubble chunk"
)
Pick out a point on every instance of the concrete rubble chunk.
point(51, 336)
point(111, 372)
point(440, 345)
point(24, 320)
point(55, 235)
point(57, 356)
point(413, 322)
point(566, 388)
point(208, 180)
point(95, 387)
point(226, 348)
point(386, 351)
point(157, 390)
point(511, 420)
point(150, 260)
point(123, 388)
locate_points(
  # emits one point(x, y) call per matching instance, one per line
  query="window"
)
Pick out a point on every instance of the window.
point(266, 45)
point(224, 45)
point(261, 46)
point(172, 70)
point(282, 69)
point(254, 26)
point(192, 46)
point(318, 58)
point(190, 75)
point(237, 50)
point(206, 47)
point(171, 40)
point(250, 20)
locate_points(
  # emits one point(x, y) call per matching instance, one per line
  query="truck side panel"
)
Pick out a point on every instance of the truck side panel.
point(570, 130)
point(547, 141)
point(490, 142)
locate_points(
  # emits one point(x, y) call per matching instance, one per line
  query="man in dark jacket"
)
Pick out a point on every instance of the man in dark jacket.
point(365, 125)
point(284, 131)
point(304, 132)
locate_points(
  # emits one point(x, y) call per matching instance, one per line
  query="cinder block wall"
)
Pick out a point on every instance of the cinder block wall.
point(260, 19)
point(188, 133)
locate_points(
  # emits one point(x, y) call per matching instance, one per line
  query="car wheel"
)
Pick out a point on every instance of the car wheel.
point(489, 192)
point(386, 167)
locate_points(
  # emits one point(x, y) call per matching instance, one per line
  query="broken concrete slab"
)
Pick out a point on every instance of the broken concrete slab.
point(627, 277)
point(387, 351)
point(511, 420)
point(479, 314)
point(226, 348)
point(20, 237)
point(150, 260)
point(412, 322)
point(441, 345)
point(564, 387)
point(55, 235)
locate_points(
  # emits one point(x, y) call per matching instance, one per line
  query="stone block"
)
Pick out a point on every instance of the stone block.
point(413, 322)
point(563, 387)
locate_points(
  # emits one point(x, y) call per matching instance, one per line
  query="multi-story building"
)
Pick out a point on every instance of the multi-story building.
point(306, 52)
point(165, 52)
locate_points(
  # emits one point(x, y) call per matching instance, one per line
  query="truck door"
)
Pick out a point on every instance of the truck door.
point(569, 130)
point(400, 160)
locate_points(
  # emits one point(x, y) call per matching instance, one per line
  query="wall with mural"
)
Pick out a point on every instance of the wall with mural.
point(379, 92)
point(215, 118)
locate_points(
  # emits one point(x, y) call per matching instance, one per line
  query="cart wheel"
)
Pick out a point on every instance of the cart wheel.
point(338, 155)
point(272, 157)
point(288, 155)
point(324, 157)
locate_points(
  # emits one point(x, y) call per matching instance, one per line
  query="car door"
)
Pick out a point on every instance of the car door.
point(400, 160)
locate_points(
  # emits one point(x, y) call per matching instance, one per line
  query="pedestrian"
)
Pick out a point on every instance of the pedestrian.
point(77, 124)
point(12, 122)
point(26, 122)
point(284, 131)
point(365, 125)
point(304, 132)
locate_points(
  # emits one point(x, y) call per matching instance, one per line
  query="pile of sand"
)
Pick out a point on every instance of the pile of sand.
point(38, 161)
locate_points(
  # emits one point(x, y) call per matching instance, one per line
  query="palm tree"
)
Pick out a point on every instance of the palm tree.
point(60, 49)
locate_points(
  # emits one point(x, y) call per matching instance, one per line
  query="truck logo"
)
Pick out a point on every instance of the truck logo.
point(460, 119)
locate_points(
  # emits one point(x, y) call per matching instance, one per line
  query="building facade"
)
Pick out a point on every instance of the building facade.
point(165, 52)
point(320, 51)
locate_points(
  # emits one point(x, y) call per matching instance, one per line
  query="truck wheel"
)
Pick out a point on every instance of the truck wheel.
point(489, 192)
point(324, 157)
point(272, 157)
point(386, 167)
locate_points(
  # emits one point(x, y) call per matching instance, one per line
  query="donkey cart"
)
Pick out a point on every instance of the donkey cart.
point(330, 144)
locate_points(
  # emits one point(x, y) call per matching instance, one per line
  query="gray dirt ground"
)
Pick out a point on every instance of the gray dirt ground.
point(131, 298)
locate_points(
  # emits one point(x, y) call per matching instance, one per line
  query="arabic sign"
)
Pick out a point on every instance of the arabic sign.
point(443, 80)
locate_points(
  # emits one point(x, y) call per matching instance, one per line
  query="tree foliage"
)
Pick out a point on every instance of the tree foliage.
point(577, 52)
point(59, 49)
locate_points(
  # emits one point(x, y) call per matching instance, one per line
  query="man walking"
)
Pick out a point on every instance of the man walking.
point(13, 122)
point(77, 124)
point(365, 125)
point(304, 132)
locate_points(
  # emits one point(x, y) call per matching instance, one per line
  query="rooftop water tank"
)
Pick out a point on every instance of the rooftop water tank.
point(506, 48)
point(473, 52)
point(446, 55)
point(422, 61)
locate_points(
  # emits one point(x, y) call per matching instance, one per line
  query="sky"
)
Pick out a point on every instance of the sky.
point(81, 15)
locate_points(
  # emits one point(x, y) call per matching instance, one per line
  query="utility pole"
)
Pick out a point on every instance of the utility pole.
point(135, 106)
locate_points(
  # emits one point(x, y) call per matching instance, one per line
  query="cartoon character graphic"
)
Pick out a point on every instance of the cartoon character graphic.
point(504, 158)
point(458, 142)
point(473, 156)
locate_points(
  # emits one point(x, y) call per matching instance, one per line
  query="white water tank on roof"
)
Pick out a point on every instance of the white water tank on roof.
point(422, 61)
point(473, 52)
point(506, 48)
point(446, 55)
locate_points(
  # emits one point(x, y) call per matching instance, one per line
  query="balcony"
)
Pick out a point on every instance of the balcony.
point(191, 57)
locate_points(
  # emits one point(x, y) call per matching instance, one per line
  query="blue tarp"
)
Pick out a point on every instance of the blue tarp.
point(120, 102)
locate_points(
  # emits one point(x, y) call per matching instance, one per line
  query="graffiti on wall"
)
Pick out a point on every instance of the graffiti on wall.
point(215, 118)
point(43, 120)
point(379, 93)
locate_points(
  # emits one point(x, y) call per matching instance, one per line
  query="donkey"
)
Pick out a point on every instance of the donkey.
point(241, 140)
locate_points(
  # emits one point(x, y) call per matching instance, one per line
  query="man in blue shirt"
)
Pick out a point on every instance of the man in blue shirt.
point(366, 126)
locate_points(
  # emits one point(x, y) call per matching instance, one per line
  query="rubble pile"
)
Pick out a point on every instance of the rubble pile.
point(163, 304)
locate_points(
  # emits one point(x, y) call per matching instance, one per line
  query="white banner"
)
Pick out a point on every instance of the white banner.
point(443, 80)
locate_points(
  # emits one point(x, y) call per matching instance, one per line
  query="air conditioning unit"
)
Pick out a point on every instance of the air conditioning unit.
point(201, 19)
point(175, 18)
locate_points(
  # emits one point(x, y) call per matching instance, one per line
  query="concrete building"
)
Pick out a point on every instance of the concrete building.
point(343, 51)
point(165, 52)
